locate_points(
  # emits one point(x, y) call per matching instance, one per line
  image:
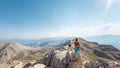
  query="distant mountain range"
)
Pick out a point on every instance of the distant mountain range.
point(50, 41)
point(106, 39)
point(56, 41)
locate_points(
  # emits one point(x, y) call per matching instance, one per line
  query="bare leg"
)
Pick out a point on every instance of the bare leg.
point(68, 48)
point(81, 63)
point(79, 60)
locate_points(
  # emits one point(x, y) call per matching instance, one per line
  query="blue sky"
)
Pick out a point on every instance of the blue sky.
point(52, 18)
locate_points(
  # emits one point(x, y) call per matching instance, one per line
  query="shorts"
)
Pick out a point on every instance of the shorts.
point(77, 49)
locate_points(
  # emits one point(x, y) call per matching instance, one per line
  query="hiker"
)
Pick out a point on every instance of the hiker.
point(77, 46)
point(77, 51)
point(70, 45)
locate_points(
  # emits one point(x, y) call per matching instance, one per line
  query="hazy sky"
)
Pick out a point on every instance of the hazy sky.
point(52, 18)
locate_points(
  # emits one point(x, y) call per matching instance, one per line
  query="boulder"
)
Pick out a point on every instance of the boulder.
point(61, 59)
point(39, 66)
point(18, 65)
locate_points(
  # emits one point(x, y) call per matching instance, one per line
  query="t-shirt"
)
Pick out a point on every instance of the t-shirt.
point(77, 44)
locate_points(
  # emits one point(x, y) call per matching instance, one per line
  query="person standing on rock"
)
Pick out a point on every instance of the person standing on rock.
point(77, 46)
point(77, 51)
point(70, 45)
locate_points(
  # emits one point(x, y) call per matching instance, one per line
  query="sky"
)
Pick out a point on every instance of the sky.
point(54, 18)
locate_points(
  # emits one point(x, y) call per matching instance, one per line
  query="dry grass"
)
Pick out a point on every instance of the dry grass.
point(91, 56)
point(4, 66)
point(32, 58)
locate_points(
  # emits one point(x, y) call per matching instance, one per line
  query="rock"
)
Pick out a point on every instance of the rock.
point(18, 65)
point(61, 59)
point(34, 65)
point(114, 65)
point(28, 65)
point(102, 63)
point(39, 66)
point(102, 54)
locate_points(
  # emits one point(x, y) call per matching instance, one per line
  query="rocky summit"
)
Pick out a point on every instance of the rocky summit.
point(62, 58)
point(93, 55)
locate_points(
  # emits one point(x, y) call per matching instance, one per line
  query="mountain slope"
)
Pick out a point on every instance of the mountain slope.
point(14, 51)
point(106, 39)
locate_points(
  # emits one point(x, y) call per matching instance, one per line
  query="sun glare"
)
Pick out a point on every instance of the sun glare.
point(109, 3)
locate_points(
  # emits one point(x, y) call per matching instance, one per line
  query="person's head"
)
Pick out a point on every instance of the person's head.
point(76, 39)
